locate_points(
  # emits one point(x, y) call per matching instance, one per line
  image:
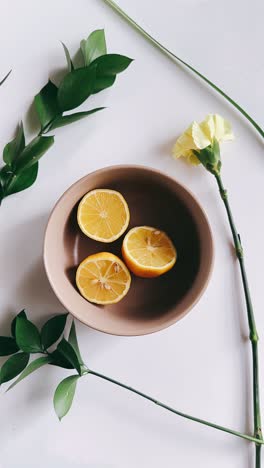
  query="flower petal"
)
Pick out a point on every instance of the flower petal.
point(223, 130)
point(184, 144)
point(200, 138)
point(192, 159)
point(208, 127)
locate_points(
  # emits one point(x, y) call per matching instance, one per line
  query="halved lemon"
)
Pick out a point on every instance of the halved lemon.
point(103, 278)
point(148, 252)
point(103, 215)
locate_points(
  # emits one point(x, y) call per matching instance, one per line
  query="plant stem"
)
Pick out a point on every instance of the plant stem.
point(5, 78)
point(175, 58)
point(172, 410)
point(253, 335)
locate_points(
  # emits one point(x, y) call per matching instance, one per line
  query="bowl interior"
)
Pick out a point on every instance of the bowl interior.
point(153, 200)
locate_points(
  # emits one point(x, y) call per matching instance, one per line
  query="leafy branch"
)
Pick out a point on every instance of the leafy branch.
point(175, 58)
point(52, 105)
point(56, 350)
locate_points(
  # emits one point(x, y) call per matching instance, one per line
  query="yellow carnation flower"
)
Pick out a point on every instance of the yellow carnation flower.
point(201, 135)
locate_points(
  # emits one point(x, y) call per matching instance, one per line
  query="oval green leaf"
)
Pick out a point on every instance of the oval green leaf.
point(52, 330)
point(13, 149)
point(32, 367)
point(5, 176)
point(94, 46)
point(22, 313)
point(13, 366)
point(74, 342)
point(27, 336)
point(64, 395)
point(46, 104)
point(103, 82)
point(68, 57)
point(111, 64)
point(67, 351)
point(22, 180)
point(8, 346)
point(57, 359)
point(76, 87)
point(33, 152)
point(68, 119)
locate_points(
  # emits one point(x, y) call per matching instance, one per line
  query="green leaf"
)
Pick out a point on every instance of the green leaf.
point(32, 367)
point(22, 314)
point(33, 152)
point(5, 177)
point(64, 395)
point(76, 87)
point(74, 342)
point(67, 351)
point(107, 66)
point(94, 46)
point(22, 180)
point(5, 78)
point(13, 149)
point(82, 47)
point(13, 366)
point(8, 346)
point(27, 336)
point(68, 57)
point(111, 64)
point(52, 330)
point(68, 119)
point(46, 104)
point(57, 359)
point(103, 82)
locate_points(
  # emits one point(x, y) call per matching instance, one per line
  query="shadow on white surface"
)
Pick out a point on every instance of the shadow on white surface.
point(35, 289)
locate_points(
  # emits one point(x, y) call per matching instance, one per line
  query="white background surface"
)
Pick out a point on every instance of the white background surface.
point(200, 365)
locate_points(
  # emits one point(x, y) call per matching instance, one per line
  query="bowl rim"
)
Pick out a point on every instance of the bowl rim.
point(200, 287)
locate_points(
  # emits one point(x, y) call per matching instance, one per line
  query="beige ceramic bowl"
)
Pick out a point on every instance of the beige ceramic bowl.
point(156, 200)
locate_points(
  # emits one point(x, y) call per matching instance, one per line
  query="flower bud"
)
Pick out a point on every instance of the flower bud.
point(210, 157)
point(200, 142)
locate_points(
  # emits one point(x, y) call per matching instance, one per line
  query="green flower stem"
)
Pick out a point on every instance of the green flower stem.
point(253, 335)
point(172, 410)
point(175, 58)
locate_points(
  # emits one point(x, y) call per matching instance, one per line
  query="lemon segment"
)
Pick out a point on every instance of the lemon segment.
point(103, 215)
point(148, 252)
point(103, 278)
